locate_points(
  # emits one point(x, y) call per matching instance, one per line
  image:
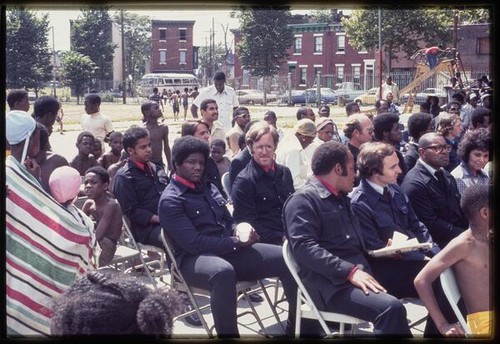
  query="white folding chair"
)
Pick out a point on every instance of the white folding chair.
point(305, 305)
point(452, 292)
point(143, 248)
point(226, 185)
point(179, 283)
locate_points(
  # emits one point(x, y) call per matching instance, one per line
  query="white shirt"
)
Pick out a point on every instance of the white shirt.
point(226, 101)
point(291, 154)
point(390, 88)
point(97, 124)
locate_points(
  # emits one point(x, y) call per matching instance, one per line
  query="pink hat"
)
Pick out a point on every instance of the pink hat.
point(64, 184)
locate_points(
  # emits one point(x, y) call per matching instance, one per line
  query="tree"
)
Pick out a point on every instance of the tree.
point(137, 33)
point(207, 62)
point(28, 58)
point(78, 72)
point(405, 30)
point(265, 39)
point(91, 36)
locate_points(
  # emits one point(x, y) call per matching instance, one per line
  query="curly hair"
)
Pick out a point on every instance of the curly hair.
point(473, 199)
point(106, 302)
point(474, 139)
point(186, 145)
point(327, 155)
point(446, 123)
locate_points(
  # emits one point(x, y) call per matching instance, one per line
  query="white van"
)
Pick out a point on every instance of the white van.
point(172, 81)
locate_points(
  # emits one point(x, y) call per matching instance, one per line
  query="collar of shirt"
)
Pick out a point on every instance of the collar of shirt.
point(215, 92)
point(268, 168)
point(431, 169)
point(141, 165)
point(184, 181)
point(376, 187)
point(328, 186)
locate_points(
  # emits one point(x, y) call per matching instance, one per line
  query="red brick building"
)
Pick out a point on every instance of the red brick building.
point(172, 46)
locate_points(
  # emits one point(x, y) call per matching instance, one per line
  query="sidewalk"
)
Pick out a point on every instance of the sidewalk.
point(249, 328)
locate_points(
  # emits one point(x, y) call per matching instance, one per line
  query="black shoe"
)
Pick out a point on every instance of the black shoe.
point(193, 319)
point(255, 298)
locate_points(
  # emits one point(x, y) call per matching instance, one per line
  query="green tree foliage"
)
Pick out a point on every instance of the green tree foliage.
point(137, 33)
point(78, 72)
point(28, 57)
point(407, 29)
point(207, 59)
point(91, 36)
point(403, 30)
point(265, 39)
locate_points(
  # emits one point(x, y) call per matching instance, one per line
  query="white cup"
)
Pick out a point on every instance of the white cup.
point(243, 231)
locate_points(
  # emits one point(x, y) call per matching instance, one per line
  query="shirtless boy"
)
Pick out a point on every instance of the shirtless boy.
point(158, 132)
point(113, 156)
point(84, 159)
point(469, 256)
point(104, 210)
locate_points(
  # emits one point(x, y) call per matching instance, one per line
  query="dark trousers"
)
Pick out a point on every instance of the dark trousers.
point(397, 277)
point(385, 311)
point(220, 274)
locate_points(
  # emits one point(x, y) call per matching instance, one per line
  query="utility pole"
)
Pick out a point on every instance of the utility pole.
point(124, 73)
point(380, 51)
point(54, 66)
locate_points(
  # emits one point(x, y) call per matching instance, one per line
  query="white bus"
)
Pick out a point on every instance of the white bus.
point(172, 81)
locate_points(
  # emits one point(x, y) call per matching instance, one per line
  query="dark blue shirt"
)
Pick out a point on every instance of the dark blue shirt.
point(258, 199)
point(379, 218)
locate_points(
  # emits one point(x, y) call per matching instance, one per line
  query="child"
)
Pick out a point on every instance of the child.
point(175, 104)
point(84, 159)
point(469, 256)
point(217, 150)
point(104, 210)
point(113, 303)
point(59, 118)
point(113, 156)
point(158, 133)
point(97, 151)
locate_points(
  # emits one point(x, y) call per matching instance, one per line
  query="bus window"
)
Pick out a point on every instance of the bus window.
point(177, 81)
point(186, 81)
point(168, 81)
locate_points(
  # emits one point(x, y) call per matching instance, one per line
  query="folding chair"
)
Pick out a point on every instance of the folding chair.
point(452, 293)
point(226, 185)
point(305, 305)
point(179, 283)
point(143, 247)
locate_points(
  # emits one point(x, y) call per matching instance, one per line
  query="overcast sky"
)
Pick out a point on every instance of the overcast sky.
point(203, 23)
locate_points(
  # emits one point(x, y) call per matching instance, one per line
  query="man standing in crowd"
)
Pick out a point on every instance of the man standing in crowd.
point(224, 95)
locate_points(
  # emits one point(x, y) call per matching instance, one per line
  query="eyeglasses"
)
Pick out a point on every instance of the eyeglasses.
point(440, 148)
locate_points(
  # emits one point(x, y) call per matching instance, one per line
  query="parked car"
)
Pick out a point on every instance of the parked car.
point(31, 96)
point(421, 97)
point(250, 97)
point(309, 96)
point(368, 98)
point(347, 92)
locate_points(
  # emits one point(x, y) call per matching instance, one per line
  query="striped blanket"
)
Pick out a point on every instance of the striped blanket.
point(47, 248)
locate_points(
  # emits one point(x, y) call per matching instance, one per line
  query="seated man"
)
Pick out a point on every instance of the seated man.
point(104, 210)
point(210, 254)
point(326, 241)
point(433, 191)
point(84, 159)
point(469, 256)
point(138, 186)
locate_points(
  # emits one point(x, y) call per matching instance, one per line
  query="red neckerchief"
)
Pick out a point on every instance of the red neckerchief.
point(143, 166)
point(184, 181)
point(268, 168)
point(328, 186)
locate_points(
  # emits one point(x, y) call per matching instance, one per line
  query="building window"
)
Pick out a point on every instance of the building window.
point(340, 73)
point(483, 46)
point(318, 44)
point(341, 43)
point(356, 72)
point(163, 57)
point(303, 75)
point(163, 34)
point(297, 46)
point(182, 56)
point(317, 70)
point(182, 35)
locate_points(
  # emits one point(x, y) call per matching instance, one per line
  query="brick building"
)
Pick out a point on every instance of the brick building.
point(172, 46)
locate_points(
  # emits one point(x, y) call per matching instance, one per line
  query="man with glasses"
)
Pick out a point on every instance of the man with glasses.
point(452, 107)
point(433, 191)
point(241, 117)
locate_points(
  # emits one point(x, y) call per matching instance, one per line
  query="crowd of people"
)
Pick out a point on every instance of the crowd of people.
point(335, 195)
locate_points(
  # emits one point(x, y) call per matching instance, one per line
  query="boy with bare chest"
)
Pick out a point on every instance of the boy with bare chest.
point(469, 256)
point(113, 156)
point(104, 210)
point(84, 159)
point(158, 132)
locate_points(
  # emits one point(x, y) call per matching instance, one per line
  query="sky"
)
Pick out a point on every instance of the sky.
point(59, 19)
